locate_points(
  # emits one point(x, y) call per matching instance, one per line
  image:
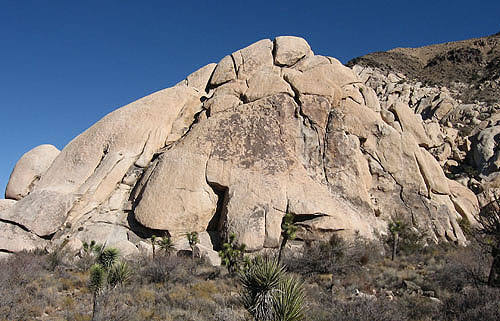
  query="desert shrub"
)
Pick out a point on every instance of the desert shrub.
point(403, 238)
point(26, 289)
point(418, 308)
point(360, 310)
point(337, 256)
point(167, 268)
point(457, 268)
point(482, 303)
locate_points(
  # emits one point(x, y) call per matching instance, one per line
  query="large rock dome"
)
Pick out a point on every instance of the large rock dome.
point(270, 129)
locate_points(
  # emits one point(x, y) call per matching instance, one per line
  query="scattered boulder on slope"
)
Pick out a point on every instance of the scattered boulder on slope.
point(28, 170)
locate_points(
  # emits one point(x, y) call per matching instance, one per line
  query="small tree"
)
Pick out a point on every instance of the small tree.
point(106, 274)
point(165, 243)
point(193, 239)
point(153, 245)
point(396, 226)
point(232, 254)
point(489, 232)
point(288, 232)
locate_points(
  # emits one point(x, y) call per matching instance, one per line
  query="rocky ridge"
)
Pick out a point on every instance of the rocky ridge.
point(270, 129)
point(470, 68)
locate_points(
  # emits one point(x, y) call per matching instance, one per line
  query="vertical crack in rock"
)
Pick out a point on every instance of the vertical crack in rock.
point(309, 123)
point(105, 152)
point(142, 182)
point(325, 146)
point(215, 227)
point(234, 65)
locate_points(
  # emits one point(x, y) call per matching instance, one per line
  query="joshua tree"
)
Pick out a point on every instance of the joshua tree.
point(232, 254)
point(489, 232)
point(106, 274)
point(165, 243)
point(269, 294)
point(396, 226)
point(288, 231)
point(153, 244)
point(193, 239)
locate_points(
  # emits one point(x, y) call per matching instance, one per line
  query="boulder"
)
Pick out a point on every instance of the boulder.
point(289, 50)
point(88, 169)
point(432, 172)
point(15, 239)
point(28, 170)
point(212, 257)
point(485, 150)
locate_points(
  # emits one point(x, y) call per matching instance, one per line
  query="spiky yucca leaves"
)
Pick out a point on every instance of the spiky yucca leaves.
point(119, 274)
point(269, 293)
point(192, 238)
point(97, 278)
point(166, 244)
point(288, 300)
point(107, 257)
point(105, 275)
point(260, 282)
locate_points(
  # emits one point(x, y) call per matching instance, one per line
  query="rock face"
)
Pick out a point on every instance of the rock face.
point(270, 129)
point(28, 170)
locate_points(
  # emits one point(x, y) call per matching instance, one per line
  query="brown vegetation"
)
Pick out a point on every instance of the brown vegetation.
point(343, 281)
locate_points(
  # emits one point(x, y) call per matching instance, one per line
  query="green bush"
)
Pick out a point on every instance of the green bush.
point(269, 293)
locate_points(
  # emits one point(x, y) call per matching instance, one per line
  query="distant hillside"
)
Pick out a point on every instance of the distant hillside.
point(470, 68)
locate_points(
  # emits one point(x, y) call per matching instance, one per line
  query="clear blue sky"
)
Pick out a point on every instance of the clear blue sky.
point(66, 64)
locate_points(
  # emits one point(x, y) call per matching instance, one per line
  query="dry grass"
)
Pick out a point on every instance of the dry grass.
point(33, 287)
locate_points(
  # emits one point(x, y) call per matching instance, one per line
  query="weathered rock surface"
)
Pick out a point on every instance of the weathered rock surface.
point(28, 170)
point(270, 129)
point(6, 204)
point(15, 239)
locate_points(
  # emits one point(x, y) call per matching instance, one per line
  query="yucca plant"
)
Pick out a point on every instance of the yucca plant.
point(106, 274)
point(153, 244)
point(107, 257)
point(193, 239)
point(166, 244)
point(395, 227)
point(288, 300)
point(260, 282)
point(269, 293)
point(119, 274)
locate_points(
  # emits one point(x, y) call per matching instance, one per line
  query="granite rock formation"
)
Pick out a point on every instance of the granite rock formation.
point(270, 129)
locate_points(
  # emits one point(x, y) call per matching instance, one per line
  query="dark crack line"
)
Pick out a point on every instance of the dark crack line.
point(16, 224)
point(236, 71)
point(401, 196)
point(103, 156)
point(145, 144)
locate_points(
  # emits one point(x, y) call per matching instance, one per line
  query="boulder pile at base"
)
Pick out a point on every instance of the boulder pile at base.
point(271, 129)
